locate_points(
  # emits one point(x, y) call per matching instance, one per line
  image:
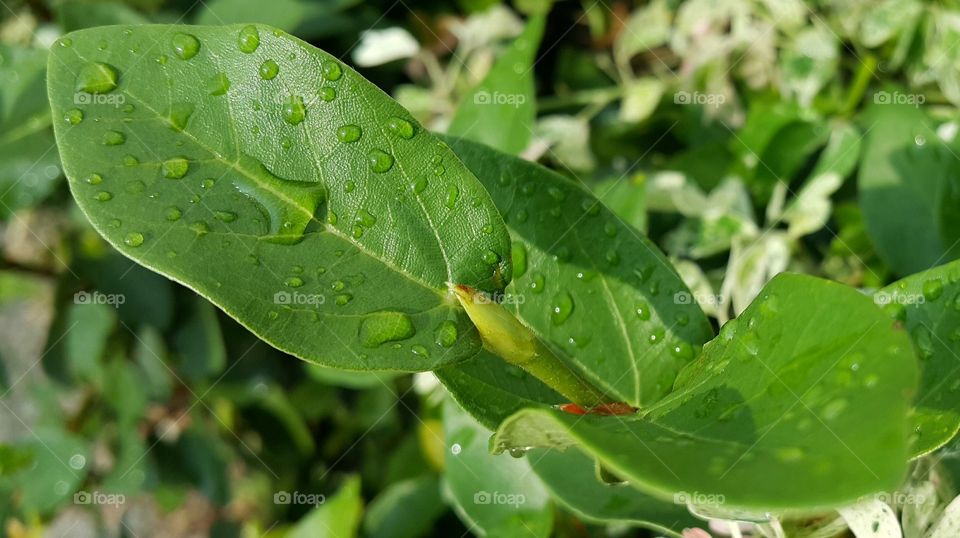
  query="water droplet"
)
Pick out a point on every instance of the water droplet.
point(331, 70)
point(173, 213)
point(349, 133)
point(656, 336)
point(379, 160)
point(932, 289)
point(610, 229)
point(643, 311)
point(419, 350)
point(200, 228)
point(73, 116)
point(522, 216)
point(219, 84)
point(180, 114)
point(419, 185)
point(401, 127)
point(453, 192)
point(294, 110)
point(130, 160)
point(293, 282)
point(269, 70)
point(66, 42)
point(446, 334)
point(562, 308)
point(273, 315)
point(327, 93)
point(366, 219)
point(248, 39)
point(536, 283)
point(789, 454)
point(923, 340)
point(97, 77)
point(185, 46)
point(135, 187)
point(94, 179)
point(490, 257)
point(225, 216)
point(519, 257)
point(682, 351)
point(113, 138)
point(833, 409)
point(115, 223)
point(343, 299)
point(613, 257)
point(590, 206)
point(175, 168)
point(439, 170)
point(133, 239)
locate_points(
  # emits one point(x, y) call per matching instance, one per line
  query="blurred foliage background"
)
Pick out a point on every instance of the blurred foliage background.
point(745, 137)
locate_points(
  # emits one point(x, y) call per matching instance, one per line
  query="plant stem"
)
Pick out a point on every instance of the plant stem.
point(505, 336)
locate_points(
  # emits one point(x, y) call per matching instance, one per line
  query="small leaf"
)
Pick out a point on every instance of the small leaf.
point(586, 283)
point(928, 305)
point(500, 111)
point(495, 495)
point(799, 403)
point(249, 197)
point(338, 516)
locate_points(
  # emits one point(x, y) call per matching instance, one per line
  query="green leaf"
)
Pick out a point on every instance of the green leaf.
point(29, 164)
point(799, 403)
point(587, 283)
point(279, 184)
point(928, 305)
point(500, 111)
point(909, 189)
point(60, 463)
point(338, 517)
point(405, 509)
point(494, 495)
point(571, 479)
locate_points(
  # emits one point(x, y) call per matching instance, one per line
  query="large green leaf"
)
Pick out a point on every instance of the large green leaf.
point(800, 403)
point(587, 283)
point(278, 183)
point(494, 495)
point(928, 305)
point(500, 111)
point(909, 190)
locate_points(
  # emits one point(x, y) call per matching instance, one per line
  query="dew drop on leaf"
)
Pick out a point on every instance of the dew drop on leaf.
point(490, 257)
point(379, 160)
point(331, 70)
point(643, 311)
point(96, 77)
point(94, 179)
point(293, 282)
point(185, 46)
point(294, 110)
point(536, 283)
point(104, 196)
point(175, 168)
point(225, 216)
point(349, 133)
point(248, 39)
point(269, 70)
point(401, 127)
point(419, 351)
point(446, 334)
point(180, 113)
point(200, 228)
point(133, 239)
point(932, 289)
point(327, 93)
point(562, 308)
point(113, 138)
point(518, 255)
point(173, 213)
point(343, 299)
point(419, 185)
point(453, 192)
point(73, 116)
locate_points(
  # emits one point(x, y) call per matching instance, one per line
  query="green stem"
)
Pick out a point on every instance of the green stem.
point(505, 336)
point(860, 82)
